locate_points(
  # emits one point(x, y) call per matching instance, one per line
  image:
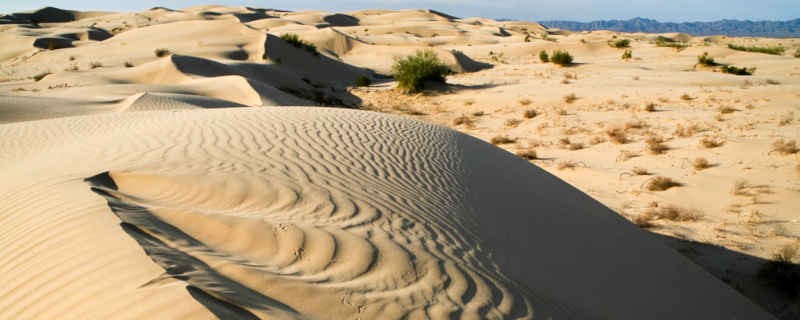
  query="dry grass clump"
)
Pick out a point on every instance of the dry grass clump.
point(781, 272)
point(40, 76)
point(739, 188)
point(700, 164)
point(95, 65)
point(637, 124)
point(786, 119)
point(160, 52)
point(663, 99)
point(128, 64)
point(709, 143)
point(616, 135)
point(478, 114)
point(528, 154)
point(625, 155)
point(529, 114)
point(650, 107)
point(570, 98)
point(569, 164)
point(512, 123)
point(655, 145)
point(525, 102)
point(502, 140)
point(672, 213)
point(639, 171)
point(784, 147)
point(596, 140)
point(687, 131)
point(660, 183)
point(726, 110)
point(686, 97)
point(467, 121)
point(565, 143)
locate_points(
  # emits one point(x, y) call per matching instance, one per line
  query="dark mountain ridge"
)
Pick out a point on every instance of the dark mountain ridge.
point(734, 28)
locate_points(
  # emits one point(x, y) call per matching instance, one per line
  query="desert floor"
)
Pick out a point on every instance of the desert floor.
point(131, 106)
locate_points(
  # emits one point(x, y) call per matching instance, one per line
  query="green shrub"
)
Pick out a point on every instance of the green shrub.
point(627, 55)
point(797, 53)
point(528, 38)
point(562, 58)
point(738, 71)
point(413, 71)
point(363, 81)
point(544, 56)
point(296, 42)
point(622, 43)
point(768, 50)
point(662, 41)
point(705, 60)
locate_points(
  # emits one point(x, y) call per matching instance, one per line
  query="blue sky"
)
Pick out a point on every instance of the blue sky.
point(580, 10)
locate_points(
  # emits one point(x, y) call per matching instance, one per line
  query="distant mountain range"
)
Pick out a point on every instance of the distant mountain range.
point(738, 28)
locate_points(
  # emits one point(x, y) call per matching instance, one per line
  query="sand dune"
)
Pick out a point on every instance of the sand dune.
point(248, 211)
point(172, 164)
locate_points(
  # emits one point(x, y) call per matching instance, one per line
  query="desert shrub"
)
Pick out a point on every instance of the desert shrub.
point(128, 64)
point(544, 57)
point(670, 43)
point(40, 76)
point(462, 120)
point(726, 110)
point(650, 107)
point(709, 143)
point(797, 53)
point(529, 154)
point(621, 43)
point(512, 123)
point(570, 98)
point(562, 58)
point(527, 38)
point(686, 97)
point(781, 272)
point(784, 147)
point(363, 81)
point(627, 55)
point(525, 102)
point(297, 42)
point(768, 50)
point(738, 71)
point(95, 65)
point(529, 114)
point(705, 60)
point(672, 213)
point(617, 135)
point(655, 145)
point(660, 183)
point(413, 71)
point(160, 52)
point(700, 164)
point(502, 140)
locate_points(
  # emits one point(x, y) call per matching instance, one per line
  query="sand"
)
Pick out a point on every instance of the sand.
point(213, 179)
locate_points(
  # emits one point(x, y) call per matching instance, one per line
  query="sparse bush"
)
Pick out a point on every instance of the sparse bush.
point(525, 102)
point(738, 71)
point(413, 71)
point(673, 213)
point(502, 140)
point(709, 143)
point(650, 107)
point(544, 57)
point(562, 58)
point(768, 50)
point(700, 164)
point(568, 164)
point(797, 53)
point(128, 64)
point(686, 97)
point(619, 44)
point(570, 98)
point(667, 42)
point(726, 110)
point(295, 41)
point(705, 60)
point(529, 154)
point(639, 171)
point(660, 183)
point(627, 55)
point(512, 123)
point(467, 121)
point(363, 81)
point(529, 114)
point(655, 145)
point(784, 147)
point(617, 135)
point(160, 52)
point(781, 272)
point(95, 65)
point(40, 76)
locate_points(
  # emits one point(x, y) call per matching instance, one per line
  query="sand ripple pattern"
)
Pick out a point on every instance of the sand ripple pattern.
point(254, 212)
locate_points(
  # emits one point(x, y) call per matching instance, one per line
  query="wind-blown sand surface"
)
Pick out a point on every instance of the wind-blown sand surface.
point(199, 181)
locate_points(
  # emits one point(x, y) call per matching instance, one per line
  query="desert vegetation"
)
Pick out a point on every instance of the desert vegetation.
point(295, 41)
point(776, 50)
point(413, 71)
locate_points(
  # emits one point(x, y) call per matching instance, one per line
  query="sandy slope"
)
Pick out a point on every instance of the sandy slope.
point(374, 216)
point(187, 183)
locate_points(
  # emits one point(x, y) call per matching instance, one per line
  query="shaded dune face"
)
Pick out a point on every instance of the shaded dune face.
point(365, 218)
